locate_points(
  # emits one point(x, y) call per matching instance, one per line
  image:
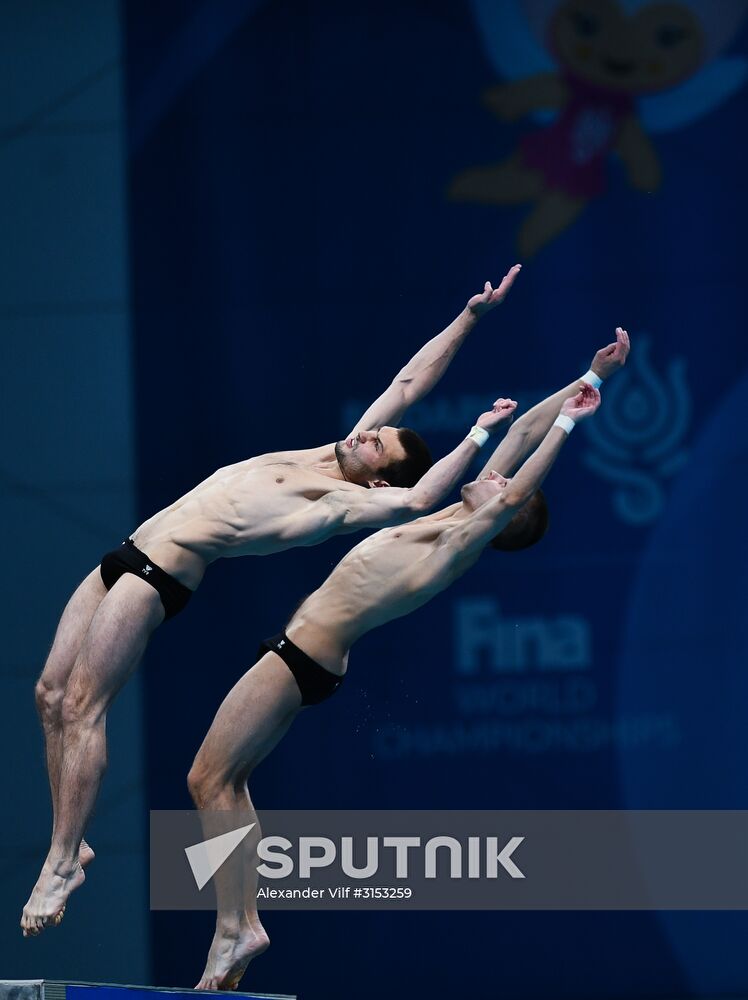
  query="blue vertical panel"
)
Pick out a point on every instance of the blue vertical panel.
point(67, 466)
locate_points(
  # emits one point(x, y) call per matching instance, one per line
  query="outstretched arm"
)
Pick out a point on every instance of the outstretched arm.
point(527, 432)
point(425, 369)
point(489, 519)
point(353, 509)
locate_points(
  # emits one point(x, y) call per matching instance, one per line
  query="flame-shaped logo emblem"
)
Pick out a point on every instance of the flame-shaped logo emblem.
point(637, 435)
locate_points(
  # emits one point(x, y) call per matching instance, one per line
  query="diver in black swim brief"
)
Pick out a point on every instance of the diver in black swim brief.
point(388, 575)
point(257, 506)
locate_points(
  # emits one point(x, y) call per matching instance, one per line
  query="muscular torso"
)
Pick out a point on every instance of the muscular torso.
point(386, 576)
point(256, 507)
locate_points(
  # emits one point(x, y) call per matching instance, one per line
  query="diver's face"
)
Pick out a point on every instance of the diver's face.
point(482, 490)
point(363, 456)
point(654, 48)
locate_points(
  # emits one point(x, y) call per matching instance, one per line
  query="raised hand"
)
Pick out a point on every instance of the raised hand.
point(503, 409)
point(484, 301)
point(582, 405)
point(609, 359)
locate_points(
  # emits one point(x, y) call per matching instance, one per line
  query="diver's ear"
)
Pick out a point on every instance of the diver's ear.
point(377, 482)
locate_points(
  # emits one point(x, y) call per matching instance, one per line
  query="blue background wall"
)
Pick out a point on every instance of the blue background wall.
point(67, 472)
point(293, 244)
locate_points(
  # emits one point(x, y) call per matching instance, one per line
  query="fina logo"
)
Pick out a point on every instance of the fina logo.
point(485, 642)
point(637, 436)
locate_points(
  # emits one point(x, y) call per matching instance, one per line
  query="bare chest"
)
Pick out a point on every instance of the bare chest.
point(396, 557)
point(265, 490)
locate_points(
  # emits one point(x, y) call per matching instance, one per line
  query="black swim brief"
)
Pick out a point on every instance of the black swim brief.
point(315, 683)
point(129, 559)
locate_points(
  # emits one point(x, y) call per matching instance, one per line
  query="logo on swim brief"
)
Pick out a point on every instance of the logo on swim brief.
point(281, 643)
point(147, 569)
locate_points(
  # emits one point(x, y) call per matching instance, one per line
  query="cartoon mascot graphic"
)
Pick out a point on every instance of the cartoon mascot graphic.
point(610, 74)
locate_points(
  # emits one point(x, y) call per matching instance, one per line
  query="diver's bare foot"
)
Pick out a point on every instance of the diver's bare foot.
point(230, 953)
point(46, 904)
point(85, 854)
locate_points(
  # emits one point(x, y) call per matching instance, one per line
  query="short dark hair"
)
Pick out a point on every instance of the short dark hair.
point(527, 526)
point(407, 471)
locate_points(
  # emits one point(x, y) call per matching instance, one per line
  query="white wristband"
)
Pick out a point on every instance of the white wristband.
point(565, 423)
point(591, 379)
point(478, 435)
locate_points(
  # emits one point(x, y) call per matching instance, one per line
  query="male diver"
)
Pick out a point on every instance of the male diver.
point(259, 506)
point(388, 575)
